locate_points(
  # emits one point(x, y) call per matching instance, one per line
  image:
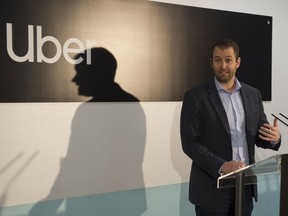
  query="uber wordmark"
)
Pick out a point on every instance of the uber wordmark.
point(40, 41)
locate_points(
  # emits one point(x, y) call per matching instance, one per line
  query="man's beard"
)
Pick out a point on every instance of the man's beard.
point(225, 79)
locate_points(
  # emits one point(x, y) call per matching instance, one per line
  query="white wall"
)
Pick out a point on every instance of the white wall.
point(35, 136)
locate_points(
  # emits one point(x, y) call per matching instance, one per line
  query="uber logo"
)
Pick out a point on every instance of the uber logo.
point(40, 41)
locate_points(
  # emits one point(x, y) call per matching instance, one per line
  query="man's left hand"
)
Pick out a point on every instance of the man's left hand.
point(270, 132)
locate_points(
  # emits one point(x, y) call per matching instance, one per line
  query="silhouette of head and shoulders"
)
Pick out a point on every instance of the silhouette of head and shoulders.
point(96, 79)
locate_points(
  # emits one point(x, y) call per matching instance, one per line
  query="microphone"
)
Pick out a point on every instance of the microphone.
point(281, 119)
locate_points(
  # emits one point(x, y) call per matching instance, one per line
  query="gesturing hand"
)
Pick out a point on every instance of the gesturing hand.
point(270, 132)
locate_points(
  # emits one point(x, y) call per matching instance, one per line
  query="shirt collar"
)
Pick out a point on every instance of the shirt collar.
point(219, 87)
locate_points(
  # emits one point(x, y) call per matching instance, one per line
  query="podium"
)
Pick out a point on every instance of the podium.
point(274, 168)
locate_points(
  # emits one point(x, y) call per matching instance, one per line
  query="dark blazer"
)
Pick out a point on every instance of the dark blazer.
point(206, 139)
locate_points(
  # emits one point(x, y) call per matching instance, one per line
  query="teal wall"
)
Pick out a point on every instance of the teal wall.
point(170, 200)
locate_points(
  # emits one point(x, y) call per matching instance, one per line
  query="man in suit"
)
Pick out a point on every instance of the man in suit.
point(221, 122)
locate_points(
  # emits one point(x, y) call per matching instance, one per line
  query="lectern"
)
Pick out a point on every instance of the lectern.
point(273, 168)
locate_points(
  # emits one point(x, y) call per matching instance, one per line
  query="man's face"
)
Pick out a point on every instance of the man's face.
point(224, 64)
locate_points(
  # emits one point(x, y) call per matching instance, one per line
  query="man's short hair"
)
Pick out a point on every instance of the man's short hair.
point(224, 44)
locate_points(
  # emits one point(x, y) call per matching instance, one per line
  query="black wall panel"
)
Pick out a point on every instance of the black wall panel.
point(161, 49)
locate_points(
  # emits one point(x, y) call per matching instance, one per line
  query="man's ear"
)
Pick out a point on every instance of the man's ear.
point(238, 62)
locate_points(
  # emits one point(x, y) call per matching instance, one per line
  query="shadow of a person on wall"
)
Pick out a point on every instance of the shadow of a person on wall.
point(95, 77)
point(101, 173)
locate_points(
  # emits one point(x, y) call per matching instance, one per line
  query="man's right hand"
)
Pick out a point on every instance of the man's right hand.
point(231, 166)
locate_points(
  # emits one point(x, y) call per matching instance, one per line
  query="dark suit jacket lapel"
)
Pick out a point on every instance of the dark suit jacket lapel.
point(217, 104)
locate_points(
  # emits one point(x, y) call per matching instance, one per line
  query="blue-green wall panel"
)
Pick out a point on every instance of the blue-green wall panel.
point(169, 200)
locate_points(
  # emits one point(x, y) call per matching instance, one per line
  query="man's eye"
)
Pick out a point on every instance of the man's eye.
point(228, 60)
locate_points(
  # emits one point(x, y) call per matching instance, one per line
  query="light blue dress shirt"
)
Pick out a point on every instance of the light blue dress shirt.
point(233, 105)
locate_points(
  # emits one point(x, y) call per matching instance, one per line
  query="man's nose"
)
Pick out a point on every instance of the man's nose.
point(223, 64)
